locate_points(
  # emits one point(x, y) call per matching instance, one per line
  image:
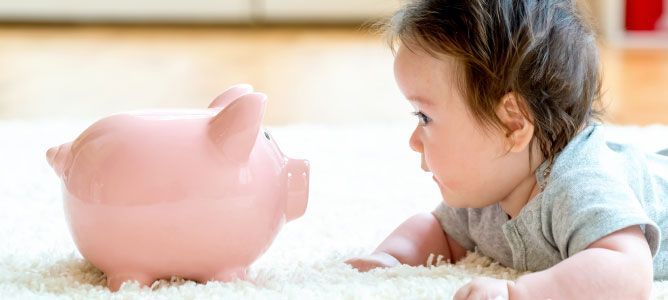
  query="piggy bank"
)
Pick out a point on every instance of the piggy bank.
point(194, 193)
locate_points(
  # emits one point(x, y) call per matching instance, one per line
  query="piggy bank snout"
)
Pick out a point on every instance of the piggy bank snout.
point(58, 157)
point(298, 182)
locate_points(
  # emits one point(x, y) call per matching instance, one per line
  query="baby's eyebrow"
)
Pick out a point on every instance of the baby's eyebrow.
point(420, 100)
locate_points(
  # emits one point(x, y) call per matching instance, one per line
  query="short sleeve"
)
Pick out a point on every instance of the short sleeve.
point(454, 222)
point(589, 206)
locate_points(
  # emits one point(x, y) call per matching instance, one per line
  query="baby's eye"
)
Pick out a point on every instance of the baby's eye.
point(422, 118)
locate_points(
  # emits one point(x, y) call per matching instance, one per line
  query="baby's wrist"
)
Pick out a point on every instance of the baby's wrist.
point(517, 290)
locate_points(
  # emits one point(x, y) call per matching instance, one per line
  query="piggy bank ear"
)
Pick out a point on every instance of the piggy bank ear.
point(235, 128)
point(231, 94)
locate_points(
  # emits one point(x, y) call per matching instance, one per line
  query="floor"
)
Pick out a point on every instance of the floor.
point(324, 74)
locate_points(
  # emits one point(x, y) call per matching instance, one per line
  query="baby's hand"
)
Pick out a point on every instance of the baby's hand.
point(372, 261)
point(484, 288)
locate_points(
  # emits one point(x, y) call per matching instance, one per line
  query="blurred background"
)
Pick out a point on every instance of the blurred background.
point(318, 61)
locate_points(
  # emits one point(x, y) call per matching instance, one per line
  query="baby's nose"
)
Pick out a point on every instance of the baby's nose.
point(414, 143)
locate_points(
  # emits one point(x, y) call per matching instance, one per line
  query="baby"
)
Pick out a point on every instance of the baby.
point(505, 94)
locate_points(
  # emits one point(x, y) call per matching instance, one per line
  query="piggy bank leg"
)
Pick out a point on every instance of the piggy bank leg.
point(114, 281)
point(230, 275)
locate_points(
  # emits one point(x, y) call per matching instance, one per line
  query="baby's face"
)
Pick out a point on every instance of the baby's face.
point(468, 163)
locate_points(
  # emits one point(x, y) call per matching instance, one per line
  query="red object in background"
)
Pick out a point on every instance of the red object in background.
point(643, 14)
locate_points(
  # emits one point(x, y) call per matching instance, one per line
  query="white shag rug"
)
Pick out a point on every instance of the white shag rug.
point(364, 182)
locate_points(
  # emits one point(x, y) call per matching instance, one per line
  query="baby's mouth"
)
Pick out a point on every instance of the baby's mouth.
point(433, 177)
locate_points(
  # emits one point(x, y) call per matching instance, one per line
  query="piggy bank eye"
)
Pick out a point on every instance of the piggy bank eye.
point(266, 134)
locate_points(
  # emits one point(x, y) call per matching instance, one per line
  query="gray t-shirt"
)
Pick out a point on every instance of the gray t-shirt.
point(595, 188)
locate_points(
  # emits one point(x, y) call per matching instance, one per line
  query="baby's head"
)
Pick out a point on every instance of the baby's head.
point(499, 86)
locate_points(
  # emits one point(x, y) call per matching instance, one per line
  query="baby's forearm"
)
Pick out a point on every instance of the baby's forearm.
point(416, 238)
point(591, 274)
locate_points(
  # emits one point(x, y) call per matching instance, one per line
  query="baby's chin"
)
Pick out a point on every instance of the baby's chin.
point(458, 201)
point(452, 200)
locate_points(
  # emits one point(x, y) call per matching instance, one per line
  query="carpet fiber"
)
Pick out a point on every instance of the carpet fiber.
point(364, 182)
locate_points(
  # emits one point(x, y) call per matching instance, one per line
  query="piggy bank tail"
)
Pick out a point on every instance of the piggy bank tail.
point(58, 157)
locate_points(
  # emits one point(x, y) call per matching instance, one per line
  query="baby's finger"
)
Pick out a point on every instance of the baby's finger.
point(362, 265)
point(463, 292)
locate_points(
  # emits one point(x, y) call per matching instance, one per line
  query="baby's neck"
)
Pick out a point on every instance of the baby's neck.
point(526, 190)
point(520, 196)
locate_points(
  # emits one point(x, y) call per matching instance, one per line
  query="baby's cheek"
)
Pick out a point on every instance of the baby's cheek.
point(447, 174)
point(456, 173)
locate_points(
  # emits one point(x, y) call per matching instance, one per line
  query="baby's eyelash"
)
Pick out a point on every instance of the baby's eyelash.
point(422, 118)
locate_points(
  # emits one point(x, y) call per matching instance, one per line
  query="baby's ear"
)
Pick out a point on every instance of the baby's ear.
point(514, 114)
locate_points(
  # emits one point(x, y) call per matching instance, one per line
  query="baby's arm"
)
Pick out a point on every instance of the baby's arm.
point(412, 243)
point(618, 266)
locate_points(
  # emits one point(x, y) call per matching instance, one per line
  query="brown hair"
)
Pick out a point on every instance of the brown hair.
point(542, 50)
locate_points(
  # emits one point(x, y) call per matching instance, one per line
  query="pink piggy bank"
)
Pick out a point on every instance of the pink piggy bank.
point(194, 193)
